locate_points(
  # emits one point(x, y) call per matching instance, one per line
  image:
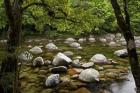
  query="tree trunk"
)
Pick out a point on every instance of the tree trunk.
point(124, 24)
point(9, 68)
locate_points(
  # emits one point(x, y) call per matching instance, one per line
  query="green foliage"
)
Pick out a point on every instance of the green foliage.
point(74, 16)
point(3, 21)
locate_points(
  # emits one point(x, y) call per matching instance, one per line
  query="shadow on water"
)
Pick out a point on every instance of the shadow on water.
point(126, 86)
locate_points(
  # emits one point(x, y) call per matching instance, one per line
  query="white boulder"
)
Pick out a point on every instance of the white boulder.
point(82, 40)
point(61, 60)
point(99, 58)
point(89, 75)
point(75, 45)
point(92, 40)
point(36, 50)
point(69, 40)
point(25, 56)
point(121, 53)
point(51, 46)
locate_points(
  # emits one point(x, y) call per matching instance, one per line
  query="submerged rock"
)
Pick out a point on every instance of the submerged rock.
point(52, 80)
point(99, 59)
point(89, 75)
point(36, 50)
point(82, 90)
point(59, 69)
point(61, 60)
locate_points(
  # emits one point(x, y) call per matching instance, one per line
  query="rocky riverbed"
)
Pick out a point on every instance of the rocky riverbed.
point(83, 65)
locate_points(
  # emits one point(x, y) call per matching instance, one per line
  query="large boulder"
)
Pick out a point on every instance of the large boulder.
point(61, 60)
point(25, 56)
point(99, 59)
point(121, 53)
point(36, 50)
point(89, 75)
point(69, 40)
point(37, 62)
point(51, 46)
point(59, 69)
point(52, 80)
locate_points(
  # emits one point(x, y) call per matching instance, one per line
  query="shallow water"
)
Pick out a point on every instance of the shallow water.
point(127, 86)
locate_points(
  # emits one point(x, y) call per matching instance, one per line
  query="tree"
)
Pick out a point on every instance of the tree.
point(124, 24)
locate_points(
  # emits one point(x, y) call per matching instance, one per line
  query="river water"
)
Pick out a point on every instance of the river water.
point(126, 86)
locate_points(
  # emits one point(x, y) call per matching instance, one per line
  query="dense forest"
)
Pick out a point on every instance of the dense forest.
point(69, 46)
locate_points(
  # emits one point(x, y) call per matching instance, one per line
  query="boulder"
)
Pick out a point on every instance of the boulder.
point(36, 50)
point(69, 40)
point(37, 62)
point(92, 40)
point(89, 75)
point(88, 65)
point(3, 41)
point(52, 80)
point(82, 40)
point(59, 69)
point(99, 59)
point(47, 62)
point(103, 40)
point(75, 45)
point(25, 56)
point(51, 46)
point(121, 53)
point(76, 63)
point(112, 44)
point(61, 60)
point(68, 53)
point(118, 35)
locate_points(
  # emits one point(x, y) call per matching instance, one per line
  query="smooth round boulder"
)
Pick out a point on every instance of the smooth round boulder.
point(52, 80)
point(112, 44)
point(36, 50)
point(69, 40)
point(89, 75)
point(51, 46)
point(99, 59)
point(75, 45)
point(61, 60)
